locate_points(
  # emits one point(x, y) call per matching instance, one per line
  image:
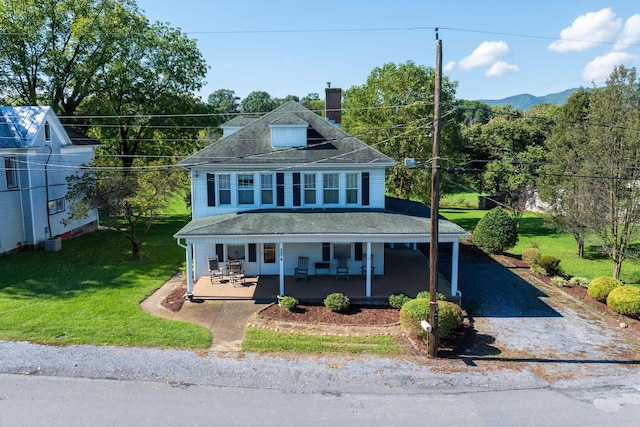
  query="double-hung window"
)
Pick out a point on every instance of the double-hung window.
point(266, 189)
point(330, 187)
point(56, 205)
point(310, 189)
point(224, 189)
point(245, 189)
point(11, 172)
point(352, 188)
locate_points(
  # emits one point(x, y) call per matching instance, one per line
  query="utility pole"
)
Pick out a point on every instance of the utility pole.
point(435, 202)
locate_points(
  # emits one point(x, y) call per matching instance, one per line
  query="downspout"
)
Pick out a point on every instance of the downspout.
point(46, 188)
point(189, 294)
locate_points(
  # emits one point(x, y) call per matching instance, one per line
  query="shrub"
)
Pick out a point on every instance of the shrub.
point(495, 232)
point(427, 295)
point(600, 287)
point(288, 303)
point(583, 282)
point(625, 300)
point(397, 299)
point(549, 263)
point(532, 244)
point(416, 310)
point(531, 255)
point(559, 281)
point(535, 268)
point(337, 302)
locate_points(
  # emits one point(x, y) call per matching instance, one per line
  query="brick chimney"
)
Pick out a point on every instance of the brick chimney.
point(333, 104)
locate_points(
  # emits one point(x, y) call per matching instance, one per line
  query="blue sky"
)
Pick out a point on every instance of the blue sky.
point(492, 48)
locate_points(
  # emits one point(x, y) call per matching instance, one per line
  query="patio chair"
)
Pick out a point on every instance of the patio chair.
point(215, 270)
point(302, 270)
point(236, 274)
point(342, 270)
point(363, 269)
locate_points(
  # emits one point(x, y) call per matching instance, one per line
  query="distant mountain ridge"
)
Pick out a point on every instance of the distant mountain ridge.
point(526, 101)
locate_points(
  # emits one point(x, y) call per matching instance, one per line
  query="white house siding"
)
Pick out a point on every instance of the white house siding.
point(201, 209)
point(11, 232)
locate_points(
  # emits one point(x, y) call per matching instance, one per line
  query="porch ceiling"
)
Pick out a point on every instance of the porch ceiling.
point(315, 225)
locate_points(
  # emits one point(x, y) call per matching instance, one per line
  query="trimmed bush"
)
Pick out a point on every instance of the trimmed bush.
point(416, 310)
point(531, 255)
point(600, 287)
point(583, 282)
point(532, 244)
point(288, 303)
point(625, 300)
point(427, 295)
point(337, 302)
point(549, 263)
point(397, 299)
point(559, 281)
point(495, 232)
point(535, 268)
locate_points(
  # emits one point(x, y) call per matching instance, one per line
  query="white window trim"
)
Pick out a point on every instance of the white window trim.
point(273, 189)
point(304, 189)
point(219, 189)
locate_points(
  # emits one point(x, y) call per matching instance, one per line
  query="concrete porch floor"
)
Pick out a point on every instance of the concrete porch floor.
point(406, 270)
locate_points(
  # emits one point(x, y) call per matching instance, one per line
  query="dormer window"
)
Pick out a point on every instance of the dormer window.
point(288, 130)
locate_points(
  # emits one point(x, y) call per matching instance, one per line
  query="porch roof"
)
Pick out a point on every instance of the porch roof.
point(327, 225)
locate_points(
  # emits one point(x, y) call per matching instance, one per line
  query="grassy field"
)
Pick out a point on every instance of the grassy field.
point(562, 246)
point(89, 293)
point(261, 341)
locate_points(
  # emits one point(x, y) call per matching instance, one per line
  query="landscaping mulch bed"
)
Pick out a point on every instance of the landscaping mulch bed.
point(313, 313)
point(175, 299)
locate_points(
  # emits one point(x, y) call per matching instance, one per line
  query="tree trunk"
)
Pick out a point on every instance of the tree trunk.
point(135, 250)
point(581, 248)
point(617, 266)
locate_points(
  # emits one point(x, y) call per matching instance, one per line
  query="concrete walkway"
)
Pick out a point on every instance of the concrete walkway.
point(225, 319)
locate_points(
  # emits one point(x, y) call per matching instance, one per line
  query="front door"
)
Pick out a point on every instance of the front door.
point(269, 264)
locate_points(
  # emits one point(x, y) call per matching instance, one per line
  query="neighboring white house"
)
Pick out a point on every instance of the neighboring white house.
point(291, 184)
point(36, 155)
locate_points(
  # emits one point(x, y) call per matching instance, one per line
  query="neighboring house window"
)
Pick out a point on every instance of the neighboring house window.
point(352, 188)
point(47, 131)
point(266, 189)
point(342, 250)
point(224, 189)
point(56, 206)
point(309, 189)
point(245, 189)
point(235, 252)
point(211, 189)
point(330, 187)
point(12, 173)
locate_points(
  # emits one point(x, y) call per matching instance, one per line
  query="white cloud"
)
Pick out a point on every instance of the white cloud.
point(592, 27)
point(485, 54)
point(599, 69)
point(630, 33)
point(501, 68)
point(449, 66)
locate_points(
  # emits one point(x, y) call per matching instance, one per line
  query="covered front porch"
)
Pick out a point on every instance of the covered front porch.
point(406, 270)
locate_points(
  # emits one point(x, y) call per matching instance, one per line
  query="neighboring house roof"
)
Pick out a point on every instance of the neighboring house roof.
point(239, 121)
point(19, 125)
point(77, 137)
point(326, 144)
point(326, 223)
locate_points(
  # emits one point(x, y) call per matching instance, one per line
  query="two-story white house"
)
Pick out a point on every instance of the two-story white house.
point(36, 155)
point(291, 184)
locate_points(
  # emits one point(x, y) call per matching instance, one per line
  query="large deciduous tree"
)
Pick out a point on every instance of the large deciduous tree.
point(258, 102)
point(393, 112)
point(53, 52)
point(225, 102)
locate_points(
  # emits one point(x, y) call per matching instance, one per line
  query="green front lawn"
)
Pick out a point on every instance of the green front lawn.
point(89, 293)
point(261, 341)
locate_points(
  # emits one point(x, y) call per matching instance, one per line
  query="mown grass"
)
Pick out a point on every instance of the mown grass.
point(560, 245)
point(265, 341)
point(90, 293)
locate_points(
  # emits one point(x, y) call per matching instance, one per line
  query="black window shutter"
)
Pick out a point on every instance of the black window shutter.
point(280, 189)
point(220, 251)
point(326, 251)
point(358, 251)
point(365, 188)
point(296, 189)
point(211, 189)
point(252, 252)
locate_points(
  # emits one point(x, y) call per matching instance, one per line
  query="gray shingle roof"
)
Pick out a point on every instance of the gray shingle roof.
point(326, 144)
point(239, 121)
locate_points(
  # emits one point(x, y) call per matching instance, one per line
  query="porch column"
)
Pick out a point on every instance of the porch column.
point(368, 292)
point(189, 269)
point(454, 267)
point(281, 251)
